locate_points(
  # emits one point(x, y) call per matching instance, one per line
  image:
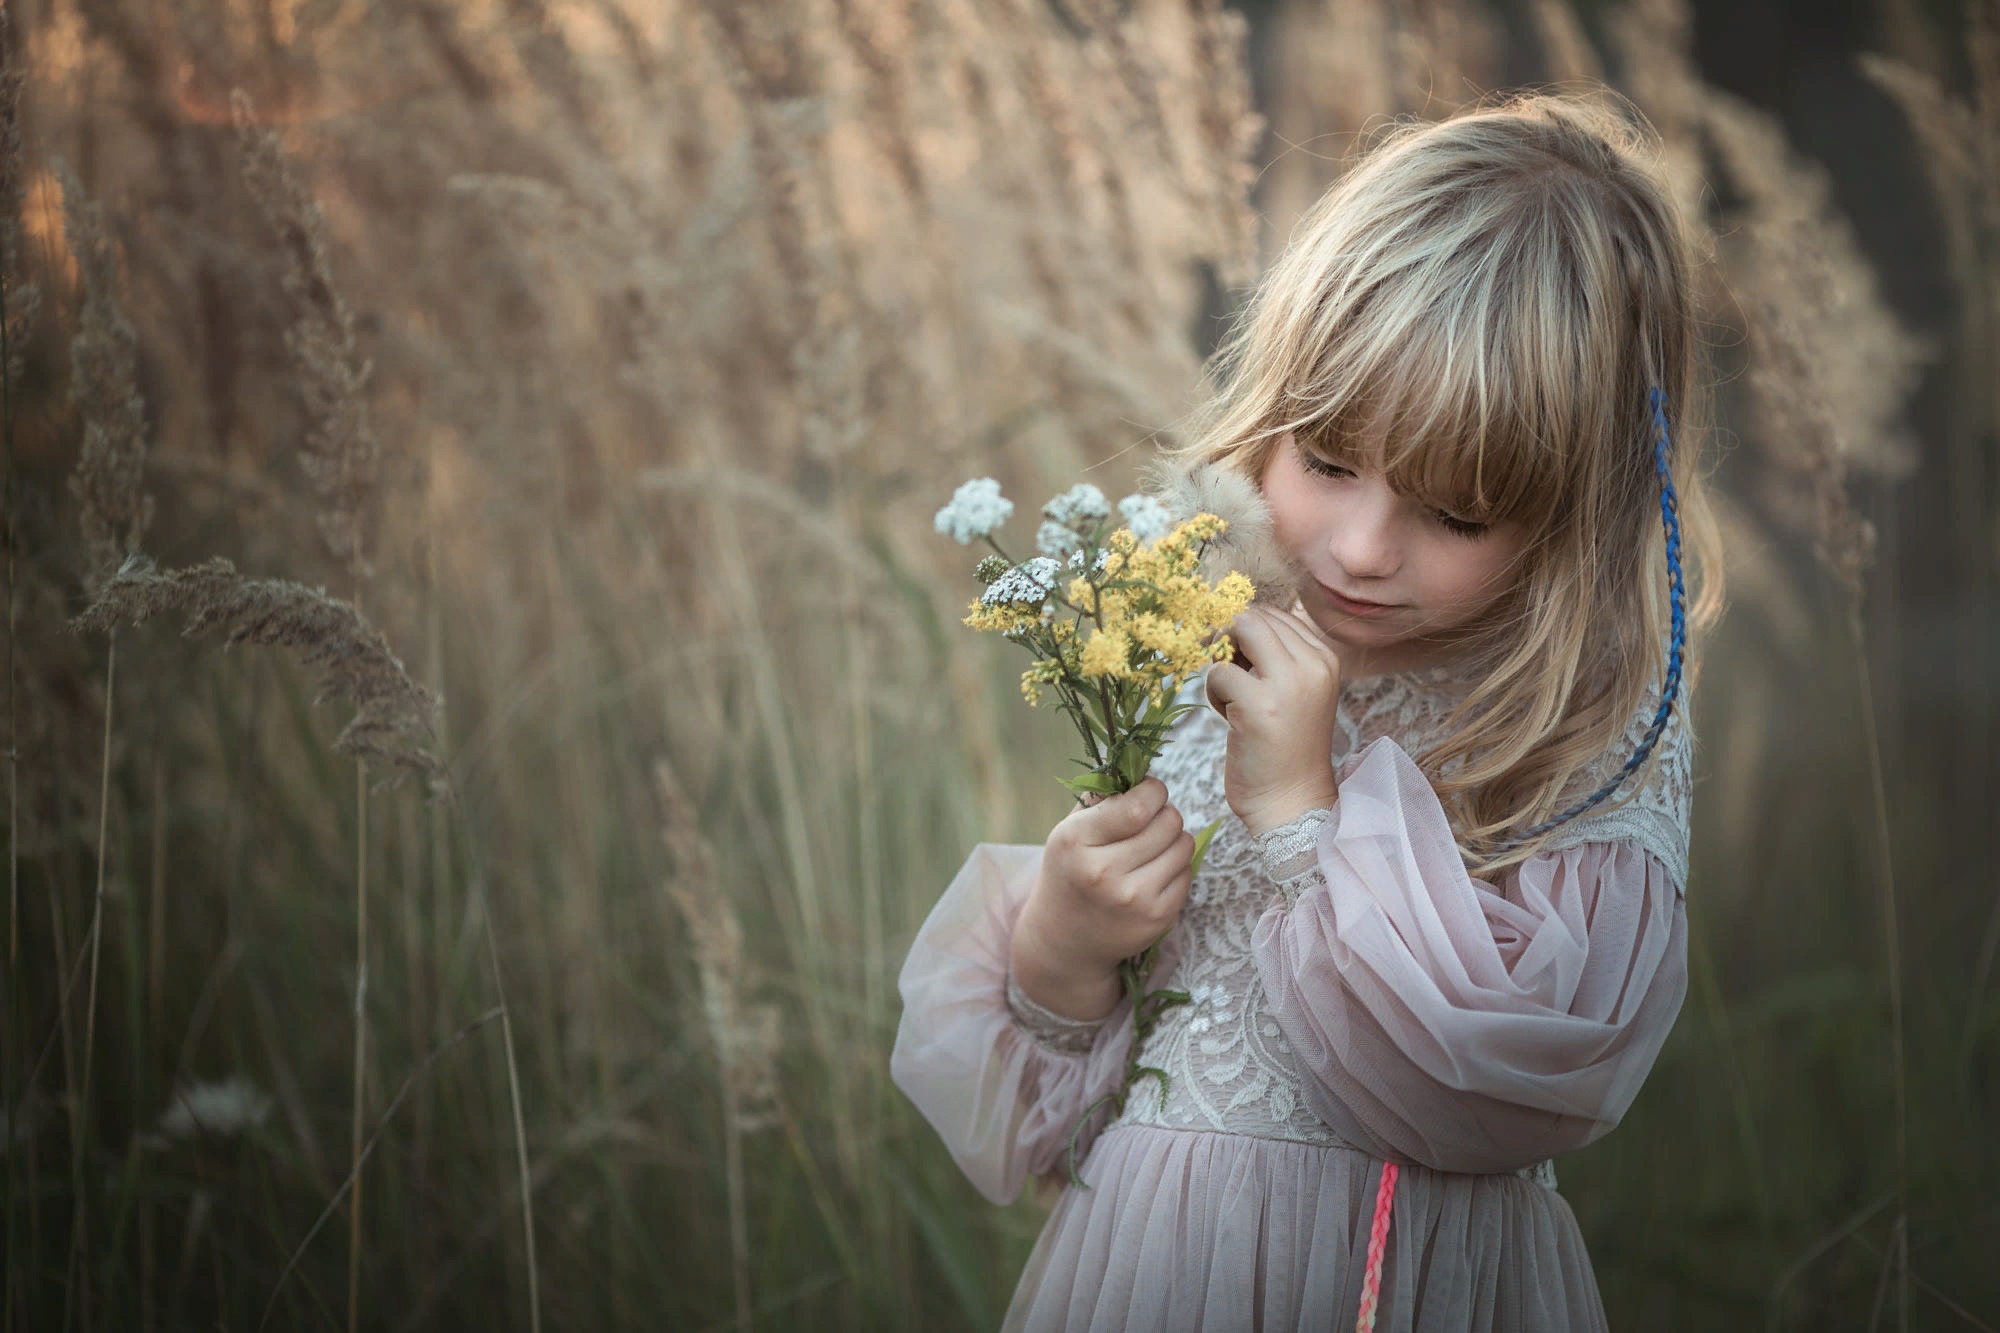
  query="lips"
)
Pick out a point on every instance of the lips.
point(1356, 605)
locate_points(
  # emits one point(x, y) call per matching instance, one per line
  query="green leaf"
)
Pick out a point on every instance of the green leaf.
point(1201, 841)
point(1132, 765)
point(1101, 783)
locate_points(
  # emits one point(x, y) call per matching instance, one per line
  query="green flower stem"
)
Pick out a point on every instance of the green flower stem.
point(1147, 1007)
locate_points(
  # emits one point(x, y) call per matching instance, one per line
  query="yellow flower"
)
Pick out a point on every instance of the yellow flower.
point(1045, 671)
point(1002, 616)
point(1108, 654)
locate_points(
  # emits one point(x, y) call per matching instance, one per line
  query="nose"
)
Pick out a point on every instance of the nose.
point(1363, 542)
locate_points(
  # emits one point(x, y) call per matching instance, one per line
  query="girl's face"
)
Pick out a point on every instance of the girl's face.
point(1390, 580)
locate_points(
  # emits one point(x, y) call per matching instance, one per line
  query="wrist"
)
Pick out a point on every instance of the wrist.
point(1075, 988)
point(1283, 809)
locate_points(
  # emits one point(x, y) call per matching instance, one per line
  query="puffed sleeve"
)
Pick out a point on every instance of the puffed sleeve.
point(1443, 1020)
point(1003, 1084)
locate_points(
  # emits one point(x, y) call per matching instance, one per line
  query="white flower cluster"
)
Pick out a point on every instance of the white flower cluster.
point(1096, 566)
point(1052, 538)
point(976, 509)
point(1029, 582)
point(1078, 507)
point(1148, 519)
point(1070, 520)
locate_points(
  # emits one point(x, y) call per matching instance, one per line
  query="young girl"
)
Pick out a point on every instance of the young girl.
point(1438, 938)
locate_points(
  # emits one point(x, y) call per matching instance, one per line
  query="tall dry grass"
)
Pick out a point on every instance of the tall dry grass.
point(674, 324)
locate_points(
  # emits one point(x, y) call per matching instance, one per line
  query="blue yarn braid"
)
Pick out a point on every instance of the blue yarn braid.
point(1670, 515)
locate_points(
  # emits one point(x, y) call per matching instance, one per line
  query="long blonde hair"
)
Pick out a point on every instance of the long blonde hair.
point(1495, 295)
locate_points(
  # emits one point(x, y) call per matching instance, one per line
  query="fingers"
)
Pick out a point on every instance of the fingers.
point(1124, 815)
point(1224, 685)
point(1309, 645)
point(1296, 629)
point(1149, 842)
point(1174, 862)
point(1253, 633)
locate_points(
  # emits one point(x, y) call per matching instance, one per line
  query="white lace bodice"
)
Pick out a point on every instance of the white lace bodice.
point(1230, 1068)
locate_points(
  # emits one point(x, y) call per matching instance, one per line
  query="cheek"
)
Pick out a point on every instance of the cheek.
point(1291, 509)
point(1488, 576)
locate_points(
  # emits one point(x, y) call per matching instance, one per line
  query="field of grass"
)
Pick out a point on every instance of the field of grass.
point(540, 803)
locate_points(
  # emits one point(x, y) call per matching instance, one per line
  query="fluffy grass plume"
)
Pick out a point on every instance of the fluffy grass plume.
point(393, 722)
point(340, 453)
point(110, 478)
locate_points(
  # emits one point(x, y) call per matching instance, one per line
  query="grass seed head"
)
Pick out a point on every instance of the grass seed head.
point(109, 481)
point(340, 456)
point(394, 719)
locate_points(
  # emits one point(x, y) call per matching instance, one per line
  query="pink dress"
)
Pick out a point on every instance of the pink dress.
point(1356, 997)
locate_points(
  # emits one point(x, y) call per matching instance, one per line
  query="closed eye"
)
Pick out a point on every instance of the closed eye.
point(1461, 527)
point(1314, 463)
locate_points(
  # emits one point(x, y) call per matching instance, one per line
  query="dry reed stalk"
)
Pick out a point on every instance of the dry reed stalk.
point(1654, 40)
point(17, 308)
point(746, 1035)
point(341, 458)
point(1342, 66)
point(114, 511)
point(1960, 143)
point(353, 1179)
point(1232, 130)
point(1566, 47)
point(1831, 369)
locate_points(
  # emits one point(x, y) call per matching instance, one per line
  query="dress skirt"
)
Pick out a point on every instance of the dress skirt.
point(1184, 1230)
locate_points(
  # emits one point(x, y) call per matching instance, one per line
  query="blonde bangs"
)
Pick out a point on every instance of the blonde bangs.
point(1440, 438)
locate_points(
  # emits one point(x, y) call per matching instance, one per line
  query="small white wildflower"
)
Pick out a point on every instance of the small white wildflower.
point(1078, 507)
point(976, 509)
point(1096, 565)
point(1147, 517)
point(229, 1107)
point(1052, 538)
point(1029, 582)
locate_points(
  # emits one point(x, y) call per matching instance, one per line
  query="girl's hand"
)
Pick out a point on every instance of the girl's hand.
point(1114, 876)
point(1281, 707)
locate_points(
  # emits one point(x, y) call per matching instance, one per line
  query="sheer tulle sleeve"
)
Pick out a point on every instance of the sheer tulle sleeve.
point(1002, 1090)
point(1455, 1023)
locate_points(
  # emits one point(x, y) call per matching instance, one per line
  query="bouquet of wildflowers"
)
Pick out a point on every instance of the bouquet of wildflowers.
point(1117, 617)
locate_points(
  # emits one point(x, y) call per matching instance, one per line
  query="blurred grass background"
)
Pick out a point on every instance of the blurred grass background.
point(667, 327)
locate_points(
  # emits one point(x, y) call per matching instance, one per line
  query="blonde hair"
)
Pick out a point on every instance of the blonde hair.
point(1488, 301)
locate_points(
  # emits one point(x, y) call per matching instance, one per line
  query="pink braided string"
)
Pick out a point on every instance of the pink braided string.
point(1378, 1240)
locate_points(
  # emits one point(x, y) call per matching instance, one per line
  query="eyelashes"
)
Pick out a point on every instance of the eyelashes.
point(1459, 527)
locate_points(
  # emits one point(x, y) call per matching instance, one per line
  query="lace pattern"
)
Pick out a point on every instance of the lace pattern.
point(1047, 1028)
point(1232, 1070)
